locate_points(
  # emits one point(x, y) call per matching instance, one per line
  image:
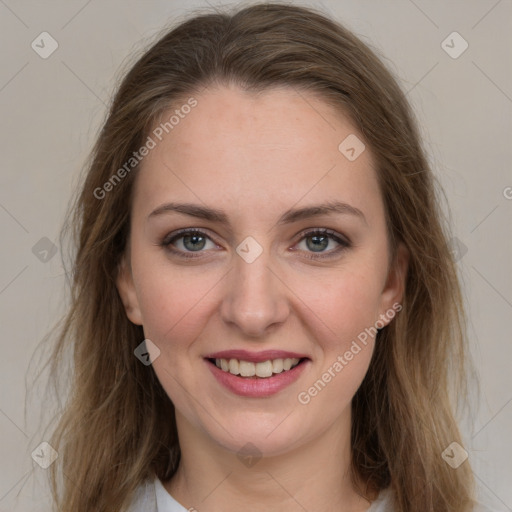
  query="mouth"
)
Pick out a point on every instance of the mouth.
point(256, 370)
point(266, 374)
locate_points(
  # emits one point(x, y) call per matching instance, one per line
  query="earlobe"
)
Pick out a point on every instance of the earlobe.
point(127, 292)
point(394, 290)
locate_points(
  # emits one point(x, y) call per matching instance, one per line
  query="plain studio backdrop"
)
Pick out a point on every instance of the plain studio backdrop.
point(60, 63)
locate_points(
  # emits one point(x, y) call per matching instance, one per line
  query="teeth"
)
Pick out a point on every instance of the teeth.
point(277, 365)
point(233, 366)
point(247, 369)
point(263, 369)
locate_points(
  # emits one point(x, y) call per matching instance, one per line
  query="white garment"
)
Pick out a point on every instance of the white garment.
point(166, 503)
point(153, 497)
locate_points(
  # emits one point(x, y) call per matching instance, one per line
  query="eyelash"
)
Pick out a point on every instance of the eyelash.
point(344, 244)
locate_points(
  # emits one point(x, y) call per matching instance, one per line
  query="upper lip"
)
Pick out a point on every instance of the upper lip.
point(255, 357)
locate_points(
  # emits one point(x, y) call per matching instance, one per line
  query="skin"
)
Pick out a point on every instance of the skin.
point(244, 153)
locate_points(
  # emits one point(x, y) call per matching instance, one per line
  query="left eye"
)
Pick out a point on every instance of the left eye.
point(318, 241)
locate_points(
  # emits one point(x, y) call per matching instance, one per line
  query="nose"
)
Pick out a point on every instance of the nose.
point(255, 300)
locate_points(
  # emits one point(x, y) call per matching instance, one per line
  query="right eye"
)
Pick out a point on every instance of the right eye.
point(187, 241)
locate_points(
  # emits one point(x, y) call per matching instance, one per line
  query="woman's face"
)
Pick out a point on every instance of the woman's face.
point(261, 282)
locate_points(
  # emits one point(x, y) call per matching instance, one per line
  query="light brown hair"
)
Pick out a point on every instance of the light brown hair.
point(114, 431)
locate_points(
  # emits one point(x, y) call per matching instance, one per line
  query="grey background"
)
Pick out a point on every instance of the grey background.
point(51, 110)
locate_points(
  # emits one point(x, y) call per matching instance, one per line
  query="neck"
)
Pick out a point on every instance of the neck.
point(314, 476)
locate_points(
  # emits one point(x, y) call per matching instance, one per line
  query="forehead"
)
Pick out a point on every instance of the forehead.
point(278, 146)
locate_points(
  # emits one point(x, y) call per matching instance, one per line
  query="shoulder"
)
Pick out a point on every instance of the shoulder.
point(144, 499)
point(151, 496)
point(384, 503)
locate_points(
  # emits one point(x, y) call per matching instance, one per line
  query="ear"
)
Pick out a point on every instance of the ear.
point(394, 289)
point(126, 289)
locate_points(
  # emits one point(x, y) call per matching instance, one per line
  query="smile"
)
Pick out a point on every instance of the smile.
point(256, 375)
point(264, 369)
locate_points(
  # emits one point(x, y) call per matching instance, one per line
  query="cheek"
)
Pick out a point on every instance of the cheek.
point(339, 305)
point(175, 306)
point(341, 320)
point(173, 301)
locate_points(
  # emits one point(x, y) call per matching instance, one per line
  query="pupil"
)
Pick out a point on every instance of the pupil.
point(318, 238)
point(194, 239)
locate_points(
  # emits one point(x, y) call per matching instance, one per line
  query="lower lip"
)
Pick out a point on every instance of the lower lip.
point(257, 387)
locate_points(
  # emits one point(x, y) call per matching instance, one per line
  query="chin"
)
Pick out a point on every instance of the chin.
point(261, 434)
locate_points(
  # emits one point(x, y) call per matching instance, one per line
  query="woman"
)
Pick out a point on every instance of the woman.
point(264, 305)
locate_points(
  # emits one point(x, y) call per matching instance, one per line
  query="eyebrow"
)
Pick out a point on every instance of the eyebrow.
point(290, 216)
